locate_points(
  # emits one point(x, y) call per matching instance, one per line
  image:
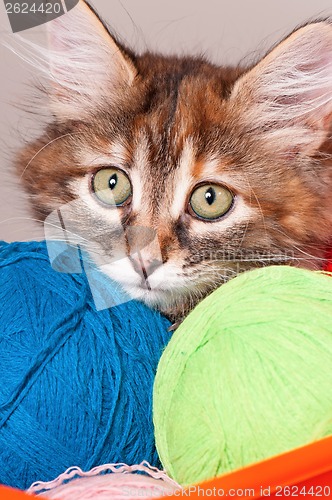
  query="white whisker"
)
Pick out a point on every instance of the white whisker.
point(44, 147)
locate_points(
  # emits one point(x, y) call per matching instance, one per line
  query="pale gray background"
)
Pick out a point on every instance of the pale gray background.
point(227, 31)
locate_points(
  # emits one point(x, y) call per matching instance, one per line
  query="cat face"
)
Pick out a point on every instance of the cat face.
point(177, 174)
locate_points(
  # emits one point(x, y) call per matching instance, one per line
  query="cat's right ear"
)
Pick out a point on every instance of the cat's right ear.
point(87, 67)
point(286, 99)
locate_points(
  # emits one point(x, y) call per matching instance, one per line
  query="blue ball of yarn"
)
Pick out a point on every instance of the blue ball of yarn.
point(75, 383)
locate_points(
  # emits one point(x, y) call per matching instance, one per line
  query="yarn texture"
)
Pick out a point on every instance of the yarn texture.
point(75, 383)
point(247, 375)
point(109, 481)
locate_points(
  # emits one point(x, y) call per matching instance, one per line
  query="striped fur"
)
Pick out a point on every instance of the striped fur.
point(172, 123)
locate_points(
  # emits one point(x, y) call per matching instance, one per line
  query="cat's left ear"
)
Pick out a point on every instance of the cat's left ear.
point(286, 98)
point(87, 67)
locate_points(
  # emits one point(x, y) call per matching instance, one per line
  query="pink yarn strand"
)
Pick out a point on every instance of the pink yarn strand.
point(114, 481)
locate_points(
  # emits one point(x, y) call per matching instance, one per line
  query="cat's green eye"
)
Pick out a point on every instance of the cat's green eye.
point(111, 186)
point(211, 201)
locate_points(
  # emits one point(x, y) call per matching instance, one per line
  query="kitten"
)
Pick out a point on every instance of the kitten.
point(228, 168)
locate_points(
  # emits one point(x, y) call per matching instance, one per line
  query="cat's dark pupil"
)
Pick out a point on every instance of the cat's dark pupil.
point(113, 181)
point(210, 195)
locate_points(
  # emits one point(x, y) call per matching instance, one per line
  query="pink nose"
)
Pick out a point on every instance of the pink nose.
point(144, 266)
point(144, 250)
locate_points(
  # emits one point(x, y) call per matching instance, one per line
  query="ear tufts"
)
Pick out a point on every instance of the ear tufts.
point(84, 65)
point(87, 65)
point(292, 85)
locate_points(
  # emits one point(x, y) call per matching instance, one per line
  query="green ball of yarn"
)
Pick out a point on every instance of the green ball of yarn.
point(247, 375)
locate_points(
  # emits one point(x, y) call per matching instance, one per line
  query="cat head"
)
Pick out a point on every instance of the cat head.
point(228, 168)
